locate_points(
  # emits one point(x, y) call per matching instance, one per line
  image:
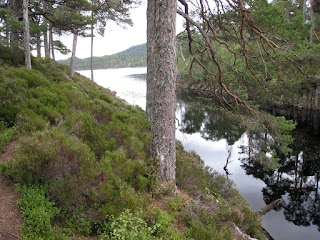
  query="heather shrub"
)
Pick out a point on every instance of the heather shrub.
point(57, 159)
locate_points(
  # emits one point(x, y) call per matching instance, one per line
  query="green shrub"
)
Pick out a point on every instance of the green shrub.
point(58, 159)
point(7, 56)
point(6, 135)
point(128, 226)
point(29, 121)
point(38, 212)
point(134, 171)
point(85, 127)
point(207, 232)
point(13, 95)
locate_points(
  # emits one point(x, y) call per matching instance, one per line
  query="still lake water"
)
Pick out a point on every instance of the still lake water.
point(217, 140)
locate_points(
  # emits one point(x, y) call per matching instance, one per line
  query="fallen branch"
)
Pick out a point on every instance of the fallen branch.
point(270, 207)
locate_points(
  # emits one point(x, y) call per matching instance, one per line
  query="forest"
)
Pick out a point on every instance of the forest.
point(88, 165)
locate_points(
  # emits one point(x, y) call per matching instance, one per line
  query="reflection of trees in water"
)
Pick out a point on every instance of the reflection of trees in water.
point(296, 181)
point(197, 115)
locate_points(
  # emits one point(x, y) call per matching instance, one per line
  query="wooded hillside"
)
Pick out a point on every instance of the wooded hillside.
point(135, 56)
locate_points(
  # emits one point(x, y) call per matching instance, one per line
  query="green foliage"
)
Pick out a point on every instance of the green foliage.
point(132, 225)
point(161, 222)
point(128, 226)
point(7, 57)
point(38, 212)
point(6, 135)
point(281, 18)
point(219, 203)
point(199, 232)
point(13, 94)
point(195, 178)
point(283, 138)
point(55, 158)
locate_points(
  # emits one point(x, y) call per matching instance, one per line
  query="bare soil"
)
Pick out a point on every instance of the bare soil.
point(10, 217)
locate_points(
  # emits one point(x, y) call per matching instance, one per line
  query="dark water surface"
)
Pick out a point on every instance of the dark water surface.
point(231, 151)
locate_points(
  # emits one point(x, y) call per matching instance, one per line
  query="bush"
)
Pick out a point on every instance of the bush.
point(85, 127)
point(13, 95)
point(127, 226)
point(38, 213)
point(60, 160)
point(6, 135)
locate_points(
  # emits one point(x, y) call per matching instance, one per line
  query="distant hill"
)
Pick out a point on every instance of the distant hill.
point(135, 56)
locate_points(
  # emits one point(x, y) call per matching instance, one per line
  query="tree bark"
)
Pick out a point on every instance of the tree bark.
point(161, 83)
point(15, 31)
point(45, 34)
point(51, 42)
point(91, 57)
point(312, 27)
point(26, 35)
point(73, 55)
point(45, 40)
point(38, 44)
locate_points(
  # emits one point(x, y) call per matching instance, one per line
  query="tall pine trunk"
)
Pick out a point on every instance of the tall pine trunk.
point(46, 41)
point(91, 57)
point(51, 42)
point(73, 55)
point(312, 27)
point(15, 31)
point(38, 40)
point(26, 34)
point(45, 34)
point(161, 84)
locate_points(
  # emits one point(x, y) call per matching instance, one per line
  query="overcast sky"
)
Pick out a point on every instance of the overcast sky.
point(116, 39)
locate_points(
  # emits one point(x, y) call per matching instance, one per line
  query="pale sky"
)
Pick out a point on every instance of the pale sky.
point(116, 39)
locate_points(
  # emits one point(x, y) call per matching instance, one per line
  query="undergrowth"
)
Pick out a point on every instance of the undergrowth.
point(83, 162)
point(38, 212)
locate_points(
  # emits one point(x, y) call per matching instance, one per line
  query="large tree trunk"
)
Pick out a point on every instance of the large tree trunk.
point(161, 83)
point(26, 35)
point(73, 55)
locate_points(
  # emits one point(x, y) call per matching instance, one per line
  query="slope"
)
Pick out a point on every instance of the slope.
point(135, 56)
point(83, 166)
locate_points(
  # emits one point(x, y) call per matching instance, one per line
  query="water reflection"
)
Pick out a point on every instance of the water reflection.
point(211, 122)
point(296, 180)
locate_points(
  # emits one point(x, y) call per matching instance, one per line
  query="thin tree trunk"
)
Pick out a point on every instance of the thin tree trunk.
point(7, 26)
point(73, 55)
point(312, 27)
point(7, 35)
point(304, 8)
point(91, 57)
point(26, 35)
point(161, 84)
point(51, 42)
point(15, 32)
point(45, 40)
point(38, 44)
point(45, 34)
